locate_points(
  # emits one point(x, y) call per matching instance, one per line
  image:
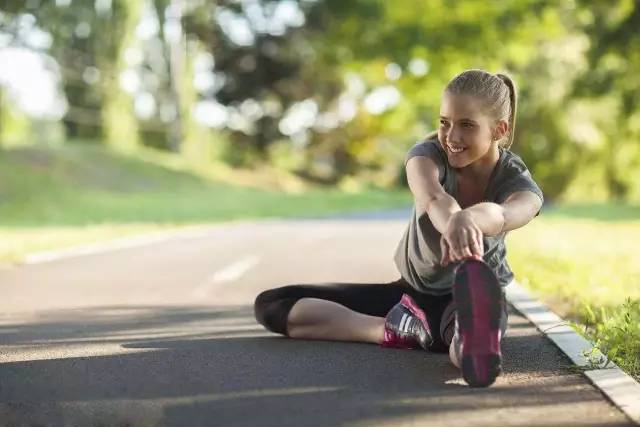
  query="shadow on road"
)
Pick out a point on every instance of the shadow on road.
point(217, 366)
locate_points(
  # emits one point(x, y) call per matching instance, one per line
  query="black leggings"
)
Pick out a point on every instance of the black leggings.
point(272, 306)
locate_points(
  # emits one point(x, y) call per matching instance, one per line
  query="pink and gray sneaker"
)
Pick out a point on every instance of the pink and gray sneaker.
point(479, 305)
point(406, 326)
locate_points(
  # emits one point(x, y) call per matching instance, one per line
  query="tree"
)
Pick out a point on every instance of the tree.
point(89, 45)
point(611, 87)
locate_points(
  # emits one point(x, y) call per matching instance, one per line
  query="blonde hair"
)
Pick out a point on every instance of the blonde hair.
point(497, 91)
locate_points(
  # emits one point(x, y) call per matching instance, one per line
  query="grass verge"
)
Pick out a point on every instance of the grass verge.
point(587, 271)
point(58, 197)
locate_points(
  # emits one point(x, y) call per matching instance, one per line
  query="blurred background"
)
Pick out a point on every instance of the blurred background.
point(330, 92)
point(121, 117)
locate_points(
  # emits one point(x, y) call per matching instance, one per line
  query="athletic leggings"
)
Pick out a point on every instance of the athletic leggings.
point(272, 306)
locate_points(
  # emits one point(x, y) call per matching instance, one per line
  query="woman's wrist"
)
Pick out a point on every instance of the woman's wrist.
point(459, 217)
point(488, 216)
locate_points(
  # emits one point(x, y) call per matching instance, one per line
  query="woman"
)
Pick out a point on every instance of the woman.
point(469, 191)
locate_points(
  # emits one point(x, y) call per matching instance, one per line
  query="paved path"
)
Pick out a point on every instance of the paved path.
point(164, 334)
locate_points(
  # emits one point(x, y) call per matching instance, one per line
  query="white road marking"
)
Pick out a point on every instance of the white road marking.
point(228, 274)
point(139, 240)
point(120, 243)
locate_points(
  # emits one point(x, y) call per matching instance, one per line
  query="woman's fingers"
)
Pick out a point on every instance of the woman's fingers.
point(475, 249)
point(466, 252)
point(465, 239)
point(469, 245)
point(456, 244)
point(479, 239)
point(444, 248)
point(477, 246)
point(461, 244)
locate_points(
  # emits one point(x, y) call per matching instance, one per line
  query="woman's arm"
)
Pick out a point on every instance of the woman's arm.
point(460, 239)
point(516, 211)
point(463, 238)
point(430, 197)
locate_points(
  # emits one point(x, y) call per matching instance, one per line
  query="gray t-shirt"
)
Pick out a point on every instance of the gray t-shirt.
point(418, 254)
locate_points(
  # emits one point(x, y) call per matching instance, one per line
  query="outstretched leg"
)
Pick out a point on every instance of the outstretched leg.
point(479, 323)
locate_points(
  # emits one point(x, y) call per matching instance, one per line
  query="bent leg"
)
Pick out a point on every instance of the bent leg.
point(312, 318)
point(342, 311)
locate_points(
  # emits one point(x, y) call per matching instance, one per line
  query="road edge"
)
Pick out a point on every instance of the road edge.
point(619, 387)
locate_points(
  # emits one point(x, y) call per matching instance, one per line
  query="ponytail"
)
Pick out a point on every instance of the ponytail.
point(512, 104)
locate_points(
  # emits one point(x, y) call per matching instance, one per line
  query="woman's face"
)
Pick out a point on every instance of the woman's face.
point(465, 132)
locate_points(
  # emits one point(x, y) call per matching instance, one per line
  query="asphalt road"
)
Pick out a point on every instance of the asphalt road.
point(164, 334)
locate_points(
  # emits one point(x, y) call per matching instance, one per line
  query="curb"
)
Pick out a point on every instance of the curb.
point(620, 388)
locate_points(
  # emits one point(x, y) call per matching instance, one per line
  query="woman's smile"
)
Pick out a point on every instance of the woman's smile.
point(455, 149)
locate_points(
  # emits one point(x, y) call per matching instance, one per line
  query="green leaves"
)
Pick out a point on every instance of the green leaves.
point(616, 333)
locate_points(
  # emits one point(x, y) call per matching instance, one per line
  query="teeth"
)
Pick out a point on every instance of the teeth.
point(456, 150)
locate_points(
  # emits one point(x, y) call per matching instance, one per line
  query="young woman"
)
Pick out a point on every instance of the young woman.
point(469, 191)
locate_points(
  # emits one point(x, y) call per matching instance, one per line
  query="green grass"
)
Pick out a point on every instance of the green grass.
point(603, 212)
point(58, 197)
point(588, 271)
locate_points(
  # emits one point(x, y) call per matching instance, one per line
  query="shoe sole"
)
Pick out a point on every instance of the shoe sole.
point(478, 298)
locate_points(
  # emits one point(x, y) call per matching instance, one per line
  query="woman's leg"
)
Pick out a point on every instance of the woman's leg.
point(312, 318)
point(447, 331)
point(478, 322)
point(342, 311)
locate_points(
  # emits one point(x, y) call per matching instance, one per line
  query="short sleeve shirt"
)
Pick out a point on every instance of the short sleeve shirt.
point(418, 254)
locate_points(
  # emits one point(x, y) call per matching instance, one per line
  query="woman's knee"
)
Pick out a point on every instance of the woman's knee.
point(271, 309)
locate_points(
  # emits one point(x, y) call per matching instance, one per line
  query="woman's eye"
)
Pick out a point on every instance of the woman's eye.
point(467, 125)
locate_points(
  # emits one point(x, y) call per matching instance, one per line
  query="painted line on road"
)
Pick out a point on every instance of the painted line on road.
point(619, 387)
point(228, 274)
point(134, 241)
point(139, 240)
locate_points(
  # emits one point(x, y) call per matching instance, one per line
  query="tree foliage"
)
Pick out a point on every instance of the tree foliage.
point(337, 91)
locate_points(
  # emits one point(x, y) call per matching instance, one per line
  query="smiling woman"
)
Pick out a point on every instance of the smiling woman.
point(469, 191)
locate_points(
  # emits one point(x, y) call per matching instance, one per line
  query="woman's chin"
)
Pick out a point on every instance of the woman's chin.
point(455, 162)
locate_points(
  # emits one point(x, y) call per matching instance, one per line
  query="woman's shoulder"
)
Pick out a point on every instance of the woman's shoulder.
point(513, 176)
point(512, 163)
point(428, 146)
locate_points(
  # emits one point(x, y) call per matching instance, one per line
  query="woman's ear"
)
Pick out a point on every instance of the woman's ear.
point(500, 130)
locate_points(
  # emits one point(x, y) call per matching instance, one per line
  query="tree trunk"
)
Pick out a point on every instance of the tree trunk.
point(120, 126)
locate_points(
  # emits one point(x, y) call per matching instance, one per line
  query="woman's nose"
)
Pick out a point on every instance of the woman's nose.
point(453, 134)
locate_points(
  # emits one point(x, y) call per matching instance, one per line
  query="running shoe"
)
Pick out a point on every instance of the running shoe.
point(479, 305)
point(406, 326)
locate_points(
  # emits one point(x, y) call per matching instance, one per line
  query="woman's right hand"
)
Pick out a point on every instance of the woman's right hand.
point(462, 239)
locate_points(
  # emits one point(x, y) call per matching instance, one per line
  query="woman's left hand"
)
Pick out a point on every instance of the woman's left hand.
point(462, 239)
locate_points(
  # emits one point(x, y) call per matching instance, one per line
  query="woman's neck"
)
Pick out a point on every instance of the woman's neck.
point(482, 168)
